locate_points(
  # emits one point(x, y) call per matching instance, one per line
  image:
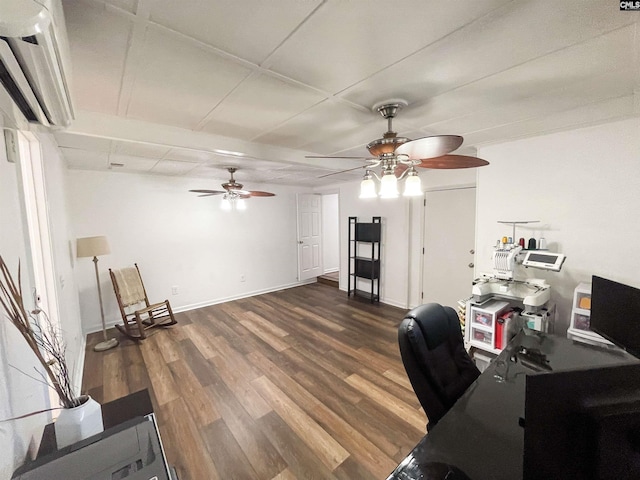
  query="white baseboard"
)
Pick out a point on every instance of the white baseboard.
point(193, 306)
point(386, 301)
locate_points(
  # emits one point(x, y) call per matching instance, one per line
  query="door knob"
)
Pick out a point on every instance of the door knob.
point(471, 265)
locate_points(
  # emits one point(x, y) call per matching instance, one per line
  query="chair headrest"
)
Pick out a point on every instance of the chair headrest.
point(436, 322)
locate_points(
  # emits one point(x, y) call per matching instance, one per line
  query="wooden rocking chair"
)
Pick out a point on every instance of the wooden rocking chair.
point(130, 292)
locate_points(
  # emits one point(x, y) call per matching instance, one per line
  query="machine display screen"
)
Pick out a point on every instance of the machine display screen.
point(542, 258)
point(546, 261)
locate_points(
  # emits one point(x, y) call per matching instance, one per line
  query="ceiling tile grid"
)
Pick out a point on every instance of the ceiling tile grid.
point(303, 75)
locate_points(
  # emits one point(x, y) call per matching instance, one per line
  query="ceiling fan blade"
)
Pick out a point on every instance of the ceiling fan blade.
point(208, 192)
point(400, 169)
point(331, 156)
point(341, 171)
point(452, 161)
point(429, 147)
point(257, 193)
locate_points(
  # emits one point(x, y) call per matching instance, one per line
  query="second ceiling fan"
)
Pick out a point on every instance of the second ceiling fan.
point(233, 193)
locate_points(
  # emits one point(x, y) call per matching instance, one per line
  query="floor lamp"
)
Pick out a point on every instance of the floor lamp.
point(93, 247)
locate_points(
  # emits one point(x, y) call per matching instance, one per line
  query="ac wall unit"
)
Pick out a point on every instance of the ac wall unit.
point(34, 65)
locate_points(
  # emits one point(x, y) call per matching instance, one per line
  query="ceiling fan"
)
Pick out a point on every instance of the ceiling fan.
point(399, 156)
point(233, 191)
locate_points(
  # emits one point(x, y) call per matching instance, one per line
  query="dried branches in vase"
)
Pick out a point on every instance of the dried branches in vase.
point(41, 335)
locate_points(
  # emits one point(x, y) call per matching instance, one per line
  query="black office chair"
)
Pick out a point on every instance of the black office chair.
point(433, 353)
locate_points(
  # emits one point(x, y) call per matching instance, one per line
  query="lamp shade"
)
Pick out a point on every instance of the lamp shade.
point(388, 186)
point(412, 186)
point(368, 188)
point(92, 246)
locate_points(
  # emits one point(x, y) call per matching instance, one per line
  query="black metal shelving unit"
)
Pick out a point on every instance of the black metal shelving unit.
point(364, 257)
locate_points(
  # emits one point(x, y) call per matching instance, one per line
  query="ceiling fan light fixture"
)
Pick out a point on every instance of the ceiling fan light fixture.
point(389, 185)
point(412, 184)
point(368, 187)
point(233, 201)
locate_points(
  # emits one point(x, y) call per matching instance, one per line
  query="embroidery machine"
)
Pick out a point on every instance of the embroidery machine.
point(533, 293)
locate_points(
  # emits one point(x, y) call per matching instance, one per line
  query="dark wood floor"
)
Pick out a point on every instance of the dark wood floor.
point(298, 384)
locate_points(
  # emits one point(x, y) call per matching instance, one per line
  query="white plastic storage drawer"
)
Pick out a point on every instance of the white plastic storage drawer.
point(486, 315)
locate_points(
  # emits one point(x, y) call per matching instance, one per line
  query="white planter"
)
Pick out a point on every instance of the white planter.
point(78, 423)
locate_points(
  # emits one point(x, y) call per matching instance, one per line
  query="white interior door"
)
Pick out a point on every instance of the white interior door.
point(309, 236)
point(449, 239)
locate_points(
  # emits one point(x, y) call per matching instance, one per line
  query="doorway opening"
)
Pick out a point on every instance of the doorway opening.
point(330, 240)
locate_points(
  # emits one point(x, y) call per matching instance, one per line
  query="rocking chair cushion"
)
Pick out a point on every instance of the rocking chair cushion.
point(130, 286)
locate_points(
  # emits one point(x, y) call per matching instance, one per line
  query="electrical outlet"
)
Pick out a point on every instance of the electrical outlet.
point(242, 279)
point(174, 290)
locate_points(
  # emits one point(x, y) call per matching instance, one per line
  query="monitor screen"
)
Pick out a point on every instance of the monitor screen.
point(583, 424)
point(615, 313)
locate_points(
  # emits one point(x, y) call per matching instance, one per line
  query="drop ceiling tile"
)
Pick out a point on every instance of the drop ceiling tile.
point(205, 171)
point(606, 111)
point(137, 149)
point(592, 90)
point(180, 82)
point(131, 163)
point(82, 142)
point(98, 41)
point(355, 138)
point(254, 164)
point(510, 36)
point(169, 167)
point(127, 5)
point(260, 103)
point(322, 122)
point(561, 70)
point(347, 41)
point(301, 171)
point(250, 29)
point(341, 177)
point(85, 159)
point(188, 155)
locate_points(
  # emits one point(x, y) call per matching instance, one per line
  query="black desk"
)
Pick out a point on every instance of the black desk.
point(481, 435)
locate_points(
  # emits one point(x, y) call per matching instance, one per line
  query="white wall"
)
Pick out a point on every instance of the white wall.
point(584, 187)
point(402, 233)
point(395, 244)
point(62, 236)
point(180, 239)
point(330, 232)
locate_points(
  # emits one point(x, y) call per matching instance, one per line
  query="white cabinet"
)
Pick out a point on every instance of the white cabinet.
point(482, 322)
point(581, 316)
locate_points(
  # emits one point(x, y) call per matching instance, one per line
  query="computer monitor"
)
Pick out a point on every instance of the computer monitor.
point(583, 424)
point(615, 313)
